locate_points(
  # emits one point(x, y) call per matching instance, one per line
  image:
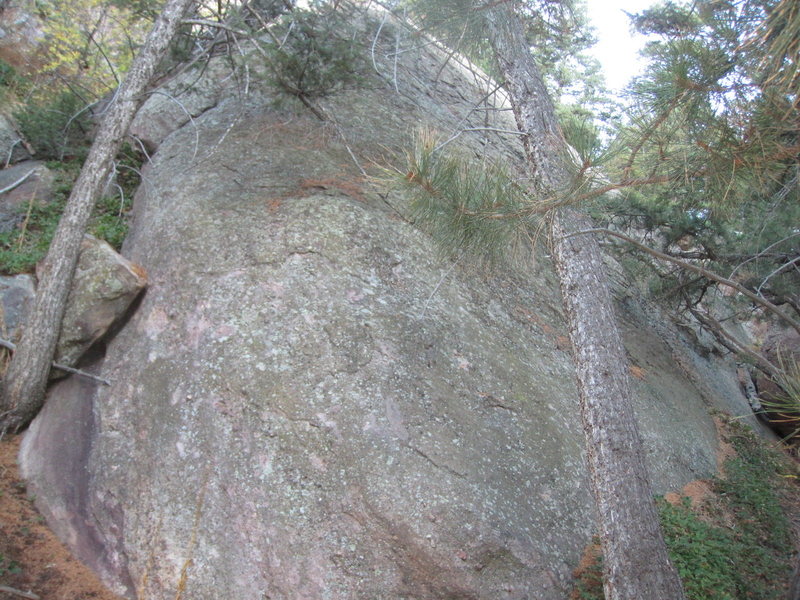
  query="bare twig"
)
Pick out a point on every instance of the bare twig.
point(495, 129)
point(375, 42)
point(694, 268)
point(217, 24)
point(11, 152)
point(732, 344)
point(8, 188)
point(778, 271)
point(762, 253)
point(327, 117)
point(12, 346)
point(479, 104)
point(395, 58)
point(440, 282)
point(14, 591)
point(188, 114)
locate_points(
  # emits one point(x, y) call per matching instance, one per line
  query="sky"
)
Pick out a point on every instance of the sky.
point(618, 48)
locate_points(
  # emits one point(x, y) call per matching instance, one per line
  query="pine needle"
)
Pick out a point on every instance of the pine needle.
point(478, 208)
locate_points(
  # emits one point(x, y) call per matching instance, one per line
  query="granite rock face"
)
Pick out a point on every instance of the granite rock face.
point(310, 403)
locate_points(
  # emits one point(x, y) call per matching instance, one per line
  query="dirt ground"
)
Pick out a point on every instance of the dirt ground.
point(33, 563)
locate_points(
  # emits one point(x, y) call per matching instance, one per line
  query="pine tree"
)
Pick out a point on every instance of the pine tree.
point(635, 555)
point(716, 119)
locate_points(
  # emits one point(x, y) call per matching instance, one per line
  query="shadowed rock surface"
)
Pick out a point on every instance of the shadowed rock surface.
point(309, 403)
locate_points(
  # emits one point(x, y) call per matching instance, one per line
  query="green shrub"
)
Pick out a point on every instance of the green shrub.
point(23, 247)
point(784, 408)
point(705, 556)
point(317, 54)
point(110, 222)
point(719, 560)
point(7, 74)
point(8, 566)
point(57, 127)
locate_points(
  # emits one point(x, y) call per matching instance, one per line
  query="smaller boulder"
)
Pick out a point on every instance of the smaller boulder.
point(12, 147)
point(103, 289)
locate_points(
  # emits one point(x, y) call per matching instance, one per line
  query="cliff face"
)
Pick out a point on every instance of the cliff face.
point(309, 402)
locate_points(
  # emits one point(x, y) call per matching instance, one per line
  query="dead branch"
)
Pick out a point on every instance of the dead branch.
point(734, 345)
point(12, 346)
point(10, 187)
point(694, 268)
point(20, 593)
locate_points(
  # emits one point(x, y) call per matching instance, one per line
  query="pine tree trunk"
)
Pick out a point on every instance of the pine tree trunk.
point(636, 563)
point(26, 378)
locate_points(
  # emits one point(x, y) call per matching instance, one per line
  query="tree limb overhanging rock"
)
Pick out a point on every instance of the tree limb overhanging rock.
point(696, 269)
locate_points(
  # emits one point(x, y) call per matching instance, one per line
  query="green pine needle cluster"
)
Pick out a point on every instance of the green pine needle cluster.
point(467, 206)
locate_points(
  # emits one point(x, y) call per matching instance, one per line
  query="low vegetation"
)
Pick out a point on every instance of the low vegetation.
point(735, 543)
point(24, 246)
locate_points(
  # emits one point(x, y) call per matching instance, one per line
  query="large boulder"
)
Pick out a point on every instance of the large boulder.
point(310, 402)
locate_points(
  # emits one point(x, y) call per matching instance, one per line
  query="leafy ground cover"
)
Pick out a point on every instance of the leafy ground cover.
point(732, 537)
point(27, 244)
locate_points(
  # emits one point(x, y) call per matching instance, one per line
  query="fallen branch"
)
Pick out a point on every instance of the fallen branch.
point(8, 188)
point(734, 345)
point(12, 346)
point(20, 593)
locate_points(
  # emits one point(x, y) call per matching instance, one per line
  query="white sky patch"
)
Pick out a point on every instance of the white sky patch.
point(617, 48)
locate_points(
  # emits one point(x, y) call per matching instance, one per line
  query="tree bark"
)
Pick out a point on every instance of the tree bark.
point(636, 562)
point(26, 378)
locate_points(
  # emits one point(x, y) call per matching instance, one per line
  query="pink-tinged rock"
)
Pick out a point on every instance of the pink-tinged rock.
point(310, 403)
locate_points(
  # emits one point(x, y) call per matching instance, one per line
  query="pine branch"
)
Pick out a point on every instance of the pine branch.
point(694, 268)
point(734, 345)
